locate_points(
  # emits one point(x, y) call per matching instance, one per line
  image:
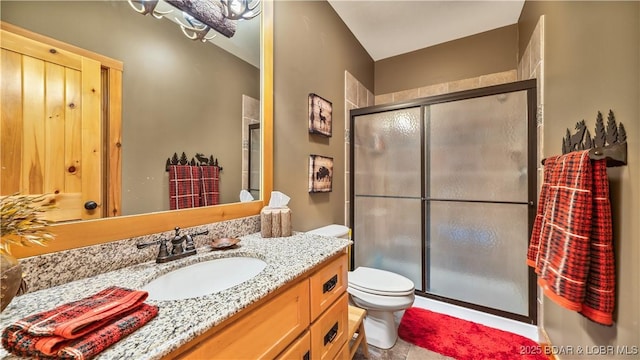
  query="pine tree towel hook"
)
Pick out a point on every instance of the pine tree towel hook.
point(609, 142)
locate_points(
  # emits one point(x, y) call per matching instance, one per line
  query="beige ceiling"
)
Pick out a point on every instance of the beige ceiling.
point(390, 28)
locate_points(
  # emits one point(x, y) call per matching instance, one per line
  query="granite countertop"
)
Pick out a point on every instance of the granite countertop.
point(180, 321)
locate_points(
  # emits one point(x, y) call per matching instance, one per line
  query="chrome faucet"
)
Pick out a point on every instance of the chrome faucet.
point(178, 251)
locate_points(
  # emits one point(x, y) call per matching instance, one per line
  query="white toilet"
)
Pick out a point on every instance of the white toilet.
point(380, 292)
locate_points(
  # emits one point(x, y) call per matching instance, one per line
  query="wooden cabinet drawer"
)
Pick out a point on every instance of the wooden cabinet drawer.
point(261, 333)
point(327, 284)
point(299, 350)
point(329, 331)
point(343, 353)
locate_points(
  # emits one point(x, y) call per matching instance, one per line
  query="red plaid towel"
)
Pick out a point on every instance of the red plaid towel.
point(80, 329)
point(210, 185)
point(571, 244)
point(184, 186)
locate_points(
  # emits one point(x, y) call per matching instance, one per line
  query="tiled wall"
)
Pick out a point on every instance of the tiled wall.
point(531, 66)
point(448, 87)
point(45, 271)
point(250, 115)
point(356, 96)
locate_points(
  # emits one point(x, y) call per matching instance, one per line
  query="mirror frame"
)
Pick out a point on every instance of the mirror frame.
point(99, 231)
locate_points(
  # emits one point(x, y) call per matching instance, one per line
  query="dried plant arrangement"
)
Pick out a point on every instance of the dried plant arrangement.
point(21, 221)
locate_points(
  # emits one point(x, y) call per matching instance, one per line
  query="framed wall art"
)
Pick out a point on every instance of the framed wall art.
point(319, 115)
point(320, 173)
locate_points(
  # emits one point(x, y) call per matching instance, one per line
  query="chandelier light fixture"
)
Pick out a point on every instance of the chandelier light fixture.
point(198, 17)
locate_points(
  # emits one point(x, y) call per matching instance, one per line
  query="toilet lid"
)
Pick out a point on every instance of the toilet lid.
point(380, 302)
point(380, 282)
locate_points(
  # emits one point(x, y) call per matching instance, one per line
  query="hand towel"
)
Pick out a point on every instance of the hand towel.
point(21, 343)
point(74, 319)
point(571, 242)
point(82, 328)
point(184, 186)
point(209, 185)
point(600, 293)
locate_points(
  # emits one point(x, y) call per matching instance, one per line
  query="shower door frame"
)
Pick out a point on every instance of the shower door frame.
point(526, 85)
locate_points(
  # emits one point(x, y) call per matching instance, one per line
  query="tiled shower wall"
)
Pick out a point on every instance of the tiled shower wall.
point(531, 66)
point(250, 115)
point(356, 96)
point(448, 87)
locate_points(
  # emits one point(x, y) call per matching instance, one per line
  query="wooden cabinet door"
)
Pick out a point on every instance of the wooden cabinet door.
point(299, 350)
point(329, 331)
point(262, 333)
point(51, 129)
point(327, 284)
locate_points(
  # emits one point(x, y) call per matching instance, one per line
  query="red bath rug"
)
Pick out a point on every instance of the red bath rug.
point(464, 340)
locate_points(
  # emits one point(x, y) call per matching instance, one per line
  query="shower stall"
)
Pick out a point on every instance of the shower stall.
point(443, 192)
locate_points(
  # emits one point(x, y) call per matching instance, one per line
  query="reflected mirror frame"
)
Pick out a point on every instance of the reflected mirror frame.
point(92, 232)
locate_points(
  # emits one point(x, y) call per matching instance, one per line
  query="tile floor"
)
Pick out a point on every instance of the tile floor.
point(402, 350)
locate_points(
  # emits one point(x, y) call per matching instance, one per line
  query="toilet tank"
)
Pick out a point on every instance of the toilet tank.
point(335, 230)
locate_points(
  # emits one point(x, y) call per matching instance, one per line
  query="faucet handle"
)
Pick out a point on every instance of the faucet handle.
point(162, 251)
point(205, 232)
point(146, 245)
point(189, 244)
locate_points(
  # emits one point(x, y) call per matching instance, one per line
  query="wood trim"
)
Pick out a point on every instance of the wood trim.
point(38, 50)
point(91, 138)
point(267, 101)
point(104, 60)
point(10, 125)
point(114, 144)
point(93, 232)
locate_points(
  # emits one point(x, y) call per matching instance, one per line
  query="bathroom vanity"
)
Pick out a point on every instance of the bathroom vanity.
point(307, 318)
point(295, 308)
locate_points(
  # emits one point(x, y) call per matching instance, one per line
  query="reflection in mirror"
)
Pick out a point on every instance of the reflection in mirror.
point(100, 231)
point(177, 95)
point(254, 161)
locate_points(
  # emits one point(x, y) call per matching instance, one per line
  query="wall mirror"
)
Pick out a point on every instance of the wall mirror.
point(172, 105)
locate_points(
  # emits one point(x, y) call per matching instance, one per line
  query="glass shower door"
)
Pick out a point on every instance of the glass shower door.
point(477, 201)
point(387, 192)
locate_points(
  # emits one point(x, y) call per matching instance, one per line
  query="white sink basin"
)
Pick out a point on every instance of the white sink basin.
point(204, 278)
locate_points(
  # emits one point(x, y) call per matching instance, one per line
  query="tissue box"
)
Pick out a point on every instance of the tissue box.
point(275, 222)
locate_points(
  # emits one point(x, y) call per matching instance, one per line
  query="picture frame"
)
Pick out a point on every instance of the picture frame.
point(320, 173)
point(320, 115)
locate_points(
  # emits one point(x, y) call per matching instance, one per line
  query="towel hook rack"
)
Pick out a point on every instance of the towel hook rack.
point(182, 160)
point(609, 142)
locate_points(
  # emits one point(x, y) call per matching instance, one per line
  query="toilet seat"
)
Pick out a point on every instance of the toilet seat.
point(380, 302)
point(379, 282)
